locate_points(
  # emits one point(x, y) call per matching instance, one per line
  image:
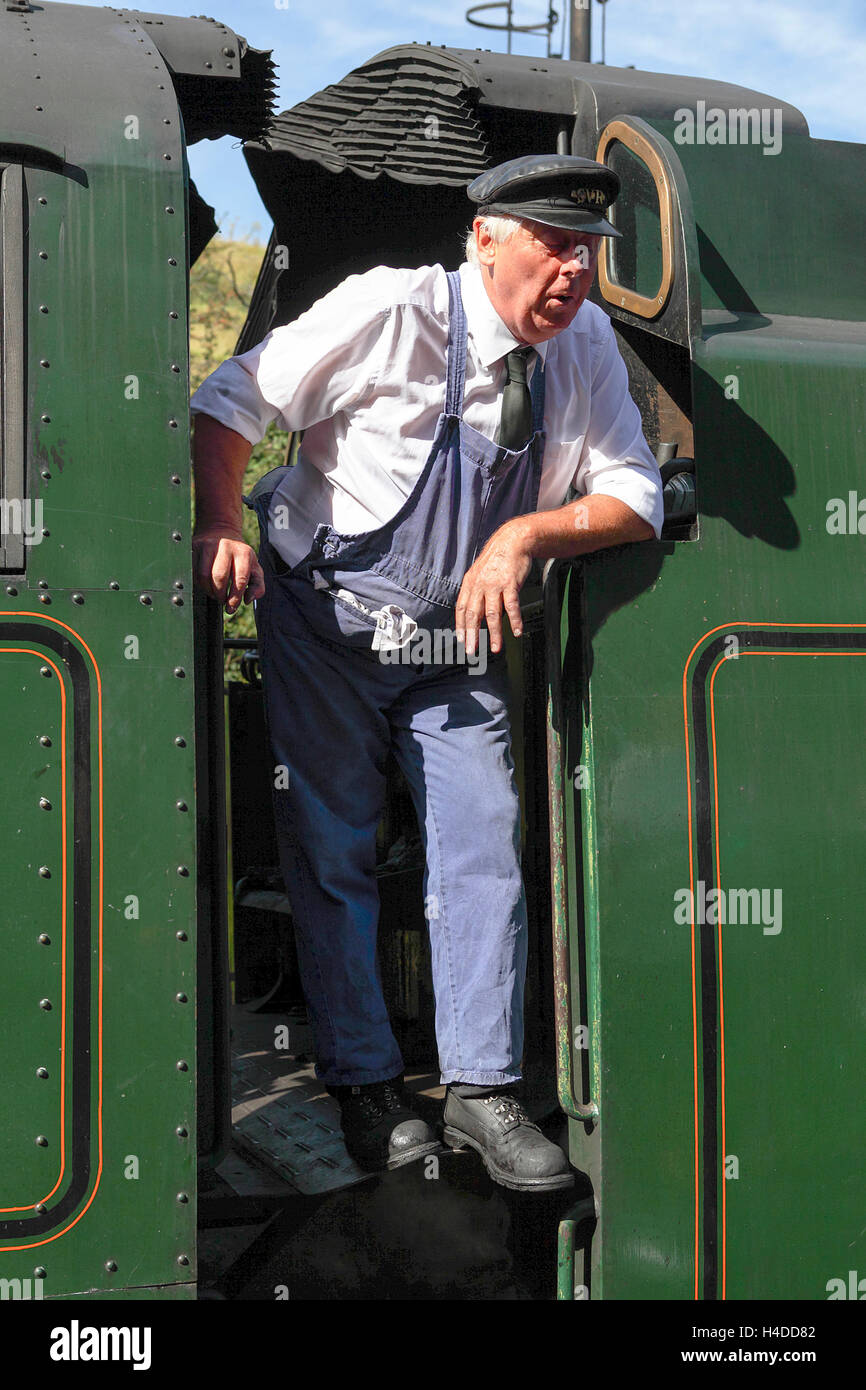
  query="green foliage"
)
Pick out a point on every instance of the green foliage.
point(220, 287)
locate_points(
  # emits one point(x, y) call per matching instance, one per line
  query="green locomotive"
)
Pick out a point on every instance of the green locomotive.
point(691, 826)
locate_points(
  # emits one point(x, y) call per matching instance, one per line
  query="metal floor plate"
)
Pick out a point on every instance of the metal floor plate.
point(298, 1137)
point(281, 1115)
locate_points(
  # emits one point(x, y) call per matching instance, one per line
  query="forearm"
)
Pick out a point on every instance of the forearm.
point(587, 524)
point(220, 458)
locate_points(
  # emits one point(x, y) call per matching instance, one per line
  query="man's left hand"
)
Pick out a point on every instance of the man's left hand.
point(493, 583)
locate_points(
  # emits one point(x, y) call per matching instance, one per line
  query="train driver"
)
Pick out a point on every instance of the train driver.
point(445, 418)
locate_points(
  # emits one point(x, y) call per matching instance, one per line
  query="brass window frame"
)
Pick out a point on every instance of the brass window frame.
point(645, 306)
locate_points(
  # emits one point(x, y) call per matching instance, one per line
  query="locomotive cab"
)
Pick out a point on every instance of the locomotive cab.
point(691, 880)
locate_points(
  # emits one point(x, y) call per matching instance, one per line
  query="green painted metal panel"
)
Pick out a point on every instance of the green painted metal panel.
point(106, 597)
point(774, 229)
point(773, 1038)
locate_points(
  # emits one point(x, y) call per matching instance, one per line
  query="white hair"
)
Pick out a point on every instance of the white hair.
point(498, 228)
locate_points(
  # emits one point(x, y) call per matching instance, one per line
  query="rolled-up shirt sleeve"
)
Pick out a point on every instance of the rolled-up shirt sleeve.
point(309, 370)
point(615, 459)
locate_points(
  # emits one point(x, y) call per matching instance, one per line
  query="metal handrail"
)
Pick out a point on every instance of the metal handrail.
point(577, 1110)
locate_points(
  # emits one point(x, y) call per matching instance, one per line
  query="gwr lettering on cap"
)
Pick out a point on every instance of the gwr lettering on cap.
point(558, 190)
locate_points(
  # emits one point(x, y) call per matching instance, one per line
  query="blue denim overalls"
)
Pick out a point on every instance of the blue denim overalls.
point(336, 700)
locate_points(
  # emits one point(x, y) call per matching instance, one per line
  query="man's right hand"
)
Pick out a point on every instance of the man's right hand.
point(226, 568)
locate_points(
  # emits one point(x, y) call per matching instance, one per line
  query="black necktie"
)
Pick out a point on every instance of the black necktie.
point(515, 423)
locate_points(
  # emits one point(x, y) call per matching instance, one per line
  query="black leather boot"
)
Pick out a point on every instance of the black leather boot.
point(379, 1128)
point(515, 1152)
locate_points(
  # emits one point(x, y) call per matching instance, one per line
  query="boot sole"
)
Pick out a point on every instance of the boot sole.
point(457, 1140)
point(400, 1161)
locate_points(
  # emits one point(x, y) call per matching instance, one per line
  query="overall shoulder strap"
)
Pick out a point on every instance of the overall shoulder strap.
point(455, 377)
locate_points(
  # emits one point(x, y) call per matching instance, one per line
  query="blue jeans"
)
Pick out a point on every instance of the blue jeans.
point(333, 714)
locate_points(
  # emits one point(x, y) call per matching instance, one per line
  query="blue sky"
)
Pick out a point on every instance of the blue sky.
point(812, 55)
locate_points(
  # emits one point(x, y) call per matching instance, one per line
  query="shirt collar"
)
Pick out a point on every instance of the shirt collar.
point(488, 332)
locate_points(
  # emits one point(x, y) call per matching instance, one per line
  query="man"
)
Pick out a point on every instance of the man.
point(445, 418)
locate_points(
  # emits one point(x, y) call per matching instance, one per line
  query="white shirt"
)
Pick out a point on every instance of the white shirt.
point(362, 372)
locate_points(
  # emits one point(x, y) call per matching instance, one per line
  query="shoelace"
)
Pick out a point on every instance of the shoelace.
point(369, 1105)
point(388, 1097)
point(509, 1107)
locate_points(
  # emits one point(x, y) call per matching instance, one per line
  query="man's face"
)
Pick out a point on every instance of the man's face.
point(538, 279)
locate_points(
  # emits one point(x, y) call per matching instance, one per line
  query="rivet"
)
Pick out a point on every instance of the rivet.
point(42, 1073)
point(43, 363)
point(228, 53)
point(175, 478)
point(77, 598)
point(43, 201)
point(181, 806)
point(182, 1066)
point(42, 584)
point(172, 261)
point(172, 313)
point(181, 999)
point(45, 741)
point(172, 424)
point(42, 1141)
point(175, 367)
point(45, 533)
point(44, 803)
point(166, 121)
point(181, 936)
point(45, 670)
point(40, 1272)
point(183, 871)
point(113, 584)
point(11, 591)
point(176, 536)
point(145, 599)
point(179, 672)
point(46, 419)
point(170, 210)
point(182, 1132)
point(44, 939)
point(111, 1266)
point(178, 584)
point(45, 474)
point(177, 601)
point(45, 1003)
point(45, 598)
point(184, 1259)
point(43, 308)
point(44, 872)
point(166, 156)
point(208, 65)
point(180, 742)
point(43, 255)
point(40, 1208)
point(183, 1197)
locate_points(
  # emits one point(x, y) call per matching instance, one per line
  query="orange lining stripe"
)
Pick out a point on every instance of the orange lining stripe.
point(726, 627)
point(716, 669)
point(55, 622)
